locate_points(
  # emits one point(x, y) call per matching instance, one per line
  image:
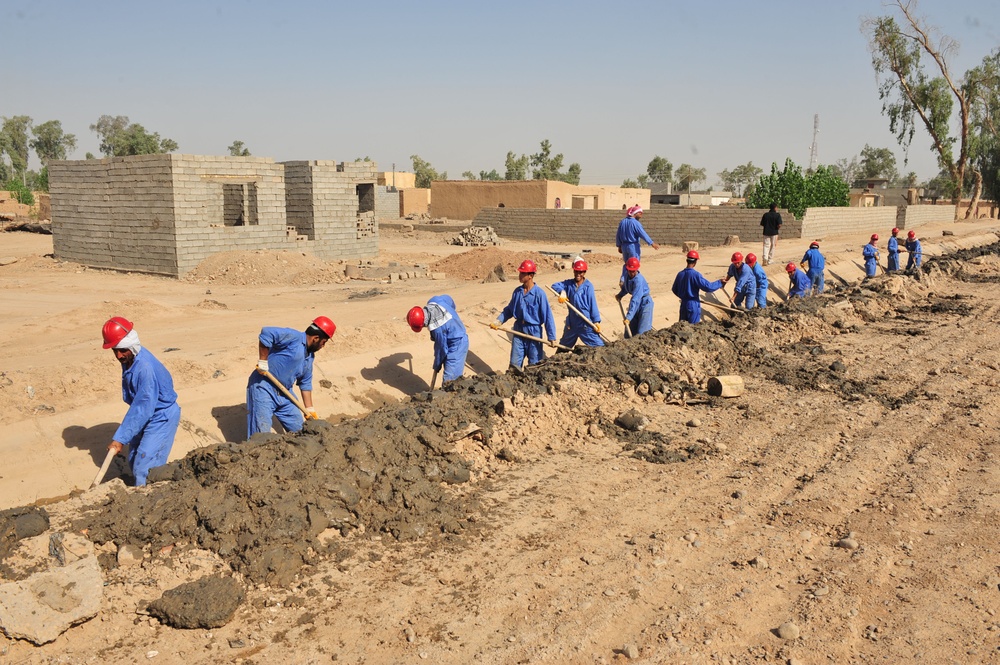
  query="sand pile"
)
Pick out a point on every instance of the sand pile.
point(266, 268)
point(480, 262)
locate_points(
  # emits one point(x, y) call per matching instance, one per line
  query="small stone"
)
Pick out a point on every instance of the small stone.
point(129, 555)
point(411, 636)
point(595, 431)
point(821, 591)
point(759, 562)
point(694, 422)
point(152, 654)
point(630, 651)
point(691, 536)
point(848, 544)
point(438, 276)
point(788, 631)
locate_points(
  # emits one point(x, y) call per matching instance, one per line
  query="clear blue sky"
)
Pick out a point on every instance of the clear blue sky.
point(715, 84)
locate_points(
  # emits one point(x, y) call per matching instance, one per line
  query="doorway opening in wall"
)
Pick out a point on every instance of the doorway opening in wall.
point(239, 204)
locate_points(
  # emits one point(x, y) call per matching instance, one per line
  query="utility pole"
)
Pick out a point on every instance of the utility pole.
point(814, 150)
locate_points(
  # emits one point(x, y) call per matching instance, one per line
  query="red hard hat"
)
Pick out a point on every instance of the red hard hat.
point(814, 243)
point(737, 257)
point(790, 267)
point(751, 259)
point(874, 236)
point(415, 317)
point(580, 266)
point(632, 264)
point(911, 234)
point(527, 265)
point(895, 230)
point(115, 330)
point(326, 325)
point(693, 255)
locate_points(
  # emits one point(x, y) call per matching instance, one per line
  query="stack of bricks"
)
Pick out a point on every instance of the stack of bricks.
point(386, 202)
point(913, 216)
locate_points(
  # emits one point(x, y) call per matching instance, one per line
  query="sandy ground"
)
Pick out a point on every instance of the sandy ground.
point(582, 551)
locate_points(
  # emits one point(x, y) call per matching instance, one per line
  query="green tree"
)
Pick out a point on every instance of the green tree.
point(687, 176)
point(89, 155)
point(469, 175)
point(492, 175)
point(659, 169)
point(790, 189)
point(910, 179)
point(19, 191)
point(740, 177)
point(425, 172)
point(238, 149)
point(546, 166)
point(14, 141)
point(913, 94)
point(516, 167)
point(629, 183)
point(119, 138)
point(51, 142)
point(878, 163)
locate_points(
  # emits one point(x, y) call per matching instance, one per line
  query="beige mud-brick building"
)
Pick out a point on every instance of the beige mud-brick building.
point(166, 213)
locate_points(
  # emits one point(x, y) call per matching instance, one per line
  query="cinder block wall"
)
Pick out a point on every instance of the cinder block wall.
point(386, 202)
point(340, 229)
point(116, 212)
point(910, 217)
point(818, 222)
point(200, 219)
point(666, 226)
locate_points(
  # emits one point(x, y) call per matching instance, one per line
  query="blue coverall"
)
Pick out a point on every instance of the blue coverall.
point(630, 232)
point(746, 285)
point(817, 264)
point(760, 277)
point(915, 256)
point(686, 286)
point(892, 258)
point(800, 284)
point(151, 423)
point(640, 307)
point(870, 253)
point(531, 312)
point(289, 362)
point(451, 341)
point(582, 297)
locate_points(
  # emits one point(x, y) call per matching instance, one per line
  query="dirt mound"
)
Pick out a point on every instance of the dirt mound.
point(266, 268)
point(480, 262)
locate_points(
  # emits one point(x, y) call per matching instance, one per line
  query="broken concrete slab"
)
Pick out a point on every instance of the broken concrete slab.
point(44, 606)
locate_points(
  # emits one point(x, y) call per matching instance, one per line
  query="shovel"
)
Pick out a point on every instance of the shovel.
point(580, 314)
point(284, 391)
point(628, 333)
point(104, 468)
point(531, 337)
point(434, 379)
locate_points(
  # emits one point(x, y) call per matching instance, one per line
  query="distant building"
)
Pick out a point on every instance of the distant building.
point(463, 199)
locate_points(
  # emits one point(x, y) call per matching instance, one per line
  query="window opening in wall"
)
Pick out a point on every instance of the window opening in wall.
point(366, 197)
point(239, 204)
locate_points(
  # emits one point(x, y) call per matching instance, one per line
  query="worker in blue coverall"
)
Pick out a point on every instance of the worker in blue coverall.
point(579, 292)
point(451, 341)
point(916, 255)
point(639, 317)
point(532, 313)
point(688, 283)
point(870, 254)
point(760, 278)
point(287, 355)
point(745, 291)
point(630, 232)
point(892, 252)
point(817, 264)
point(150, 425)
point(799, 283)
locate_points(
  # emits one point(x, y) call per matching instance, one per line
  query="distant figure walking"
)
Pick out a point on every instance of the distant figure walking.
point(630, 233)
point(771, 221)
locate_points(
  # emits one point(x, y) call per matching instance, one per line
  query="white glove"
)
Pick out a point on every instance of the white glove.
point(262, 365)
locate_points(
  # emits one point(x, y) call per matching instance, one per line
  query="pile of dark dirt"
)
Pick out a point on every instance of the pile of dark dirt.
point(273, 506)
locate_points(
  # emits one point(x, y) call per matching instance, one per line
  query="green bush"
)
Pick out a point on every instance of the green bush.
point(20, 193)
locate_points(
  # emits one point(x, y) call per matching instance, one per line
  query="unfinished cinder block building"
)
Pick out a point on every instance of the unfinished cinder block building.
point(166, 213)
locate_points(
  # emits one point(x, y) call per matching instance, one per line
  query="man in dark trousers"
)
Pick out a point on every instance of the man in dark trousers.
point(771, 221)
